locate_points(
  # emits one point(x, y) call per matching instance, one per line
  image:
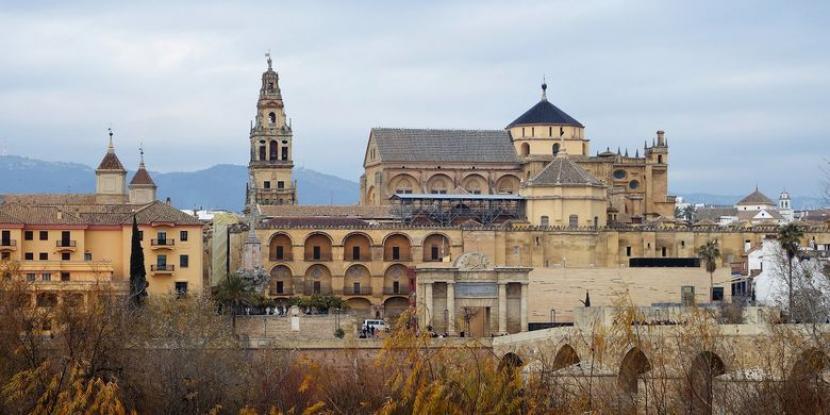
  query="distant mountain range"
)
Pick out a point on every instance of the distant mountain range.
point(223, 186)
point(218, 187)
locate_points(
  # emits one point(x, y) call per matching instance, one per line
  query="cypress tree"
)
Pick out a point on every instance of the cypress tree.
point(138, 274)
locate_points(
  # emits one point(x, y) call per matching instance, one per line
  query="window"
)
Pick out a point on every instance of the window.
point(550, 131)
point(162, 237)
point(682, 244)
point(30, 277)
point(663, 251)
point(533, 131)
point(356, 288)
point(29, 256)
point(43, 256)
point(316, 253)
point(280, 254)
point(627, 251)
point(545, 221)
point(355, 253)
point(65, 256)
point(181, 289)
point(161, 261)
point(316, 287)
point(634, 184)
point(64, 276)
point(262, 152)
point(280, 287)
point(87, 256)
point(273, 150)
point(717, 293)
point(28, 235)
point(267, 185)
point(5, 255)
point(396, 287)
point(556, 149)
point(523, 131)
point(272, 118)
point(396, 253)
point(596, 221)
point(280, 185)
point(44, 235)
point(660, 159)
point(183, 236)
point(46, 276)
point(285, 153)
point(184, 261)
point(434, 253)
point(573, 221)
point(687, 295)
point(619, 174)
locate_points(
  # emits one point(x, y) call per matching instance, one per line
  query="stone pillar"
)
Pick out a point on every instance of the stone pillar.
point(451, 308)
point(428, 311)
point(524, 306)
point(502, 308)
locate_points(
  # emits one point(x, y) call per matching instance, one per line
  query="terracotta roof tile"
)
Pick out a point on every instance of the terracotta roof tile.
point(563, 171)
point(92, 213)
point(111, 162)
point(142, 177)
point(756, 198)
point(374, 212)
point(442, 146)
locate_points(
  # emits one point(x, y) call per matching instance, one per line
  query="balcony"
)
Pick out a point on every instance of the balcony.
point(285, 258)
point(162, 268)
point(321, 291)
point(162, 243)
point(66, 245)
point(8, 245)
point(359, 291)
point(398, 291)
point(285, 292)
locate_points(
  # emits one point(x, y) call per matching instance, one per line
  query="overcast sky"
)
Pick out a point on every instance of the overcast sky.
point(741, 88)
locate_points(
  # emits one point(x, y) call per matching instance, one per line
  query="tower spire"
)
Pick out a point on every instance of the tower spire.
point(141, 152)
point(110, 147)
point(544, 89)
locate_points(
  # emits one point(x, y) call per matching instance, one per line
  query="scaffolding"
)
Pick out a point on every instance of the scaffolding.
point(448, 210)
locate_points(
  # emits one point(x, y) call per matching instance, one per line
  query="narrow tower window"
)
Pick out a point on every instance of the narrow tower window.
point(262, 152)
point(285, 153)
point(273, 151)
point(556, 149)
point(272, 118)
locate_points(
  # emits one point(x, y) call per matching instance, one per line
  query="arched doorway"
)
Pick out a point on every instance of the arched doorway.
point(317, 280)
point(395, 281)
point(281, 283)
point(360, 307)
point(357, 247)
point(318, 247)
point(357, 281)
point(396, 247)
point(279, 249)
point(395, 306)
point(436, 247)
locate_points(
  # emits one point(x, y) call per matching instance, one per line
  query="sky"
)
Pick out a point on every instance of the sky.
point(742, 88)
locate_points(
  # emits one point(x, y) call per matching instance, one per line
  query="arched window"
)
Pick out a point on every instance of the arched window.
point(573, 221)
point(556, 149)
point(262, 152)
point(272, 118)
point(660, 159)
point(544, 221)
point(272, 154)
point(285, 152)
point(525, 149)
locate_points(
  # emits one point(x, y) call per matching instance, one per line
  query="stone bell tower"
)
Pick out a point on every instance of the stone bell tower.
point(270, 181)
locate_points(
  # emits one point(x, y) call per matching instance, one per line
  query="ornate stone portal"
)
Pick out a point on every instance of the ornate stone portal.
point(465, 297)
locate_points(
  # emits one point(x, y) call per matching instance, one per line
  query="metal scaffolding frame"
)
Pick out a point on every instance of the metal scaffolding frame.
point(447, 210)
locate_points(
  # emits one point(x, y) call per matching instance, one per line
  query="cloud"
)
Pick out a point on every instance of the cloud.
point(740, 88)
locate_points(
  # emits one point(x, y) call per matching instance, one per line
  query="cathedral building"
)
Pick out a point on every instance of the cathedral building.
point(425, 163)
point(546, 219)
point(270, 165)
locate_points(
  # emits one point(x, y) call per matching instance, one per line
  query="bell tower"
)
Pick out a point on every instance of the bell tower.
point(270, 181)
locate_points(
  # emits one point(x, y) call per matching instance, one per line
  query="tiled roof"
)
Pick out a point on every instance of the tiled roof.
point(819, 215)
point(142, 177)
point(313, 221)
point(354, 211)
point(441, 146)
point(92, 214)
point(545, 113)
point(756, 198)
point(111, 162)
point(563, 171)
point(714, 213)
point(49, 198)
